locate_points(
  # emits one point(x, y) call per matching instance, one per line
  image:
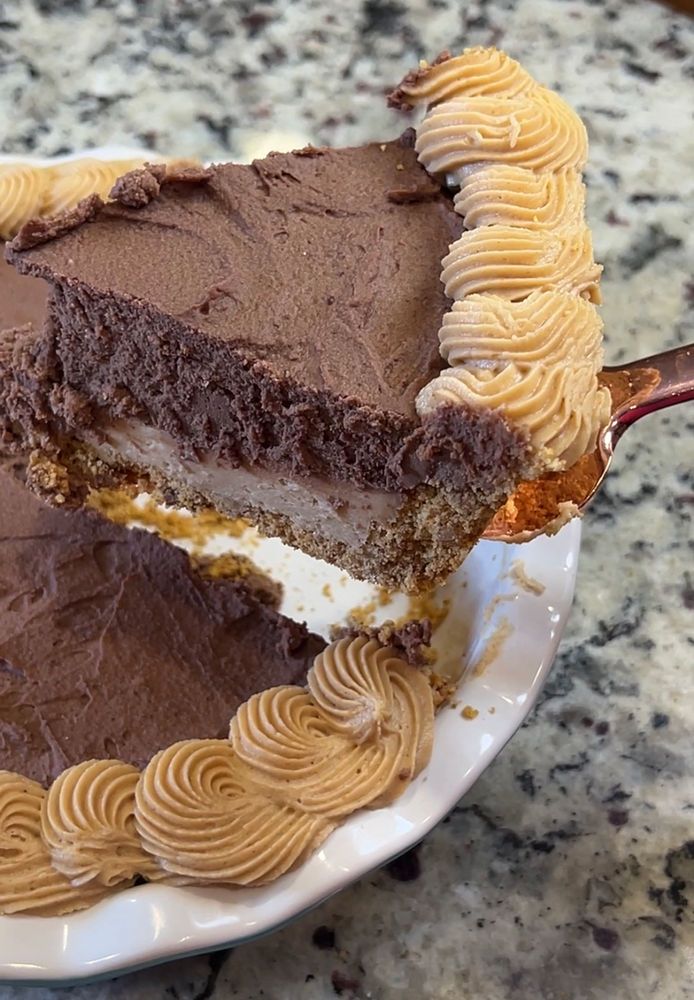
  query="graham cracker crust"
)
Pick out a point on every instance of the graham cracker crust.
point(417, 550)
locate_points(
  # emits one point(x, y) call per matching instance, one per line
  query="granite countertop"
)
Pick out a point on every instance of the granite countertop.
point(568, 871)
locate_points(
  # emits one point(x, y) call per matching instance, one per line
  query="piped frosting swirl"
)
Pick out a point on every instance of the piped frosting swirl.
point(22, 189)
point(513, 262)
point(537, 131)
point(241, 811)
point(478, 71)
point(350, 685)
point(548, 327)
point(366, 691)
point(560, 407)
point(506, 195)
point(88, 825)
point(29, 883)
point(204, 821)
point(70, 182)
point(515, 151)
point(354, 738)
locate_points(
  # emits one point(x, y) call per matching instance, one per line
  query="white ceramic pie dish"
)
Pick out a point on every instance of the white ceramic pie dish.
point(151, 924)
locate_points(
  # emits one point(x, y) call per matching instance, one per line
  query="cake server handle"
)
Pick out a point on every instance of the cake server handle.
point(652, 384)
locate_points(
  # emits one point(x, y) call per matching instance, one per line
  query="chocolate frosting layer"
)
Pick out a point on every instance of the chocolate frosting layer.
point(111, 645)
point(316, 264)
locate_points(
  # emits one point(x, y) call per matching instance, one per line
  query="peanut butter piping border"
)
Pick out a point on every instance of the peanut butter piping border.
point(466, 135)
point(186, 818)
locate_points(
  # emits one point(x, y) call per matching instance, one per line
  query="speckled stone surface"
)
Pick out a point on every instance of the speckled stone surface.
point(568, 871)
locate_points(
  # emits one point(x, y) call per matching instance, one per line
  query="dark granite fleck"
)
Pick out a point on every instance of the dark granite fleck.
point(651, 197)
point(606, 938)
point(526, 779)
point(343, 984)
point(612, 219)
point(655, 893)
point(407, 867)
point(618, 817)
point(625, 622)
point(679, 867)
point(382, 16)
point(671, 45)
point(647, 246)
point(542, 846)
point(323, 937)
point(617, 794)
point(565, 766)
point(256, 20)
point(663, 934)
point(217, 960)
point(642, 72)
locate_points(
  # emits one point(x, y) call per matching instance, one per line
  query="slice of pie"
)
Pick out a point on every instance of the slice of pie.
point(329, 342)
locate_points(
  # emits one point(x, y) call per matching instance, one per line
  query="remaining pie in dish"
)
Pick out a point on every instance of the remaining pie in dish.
point(274, 339)
point(117, 656)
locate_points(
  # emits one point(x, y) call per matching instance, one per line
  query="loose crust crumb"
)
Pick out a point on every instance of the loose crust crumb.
point(523, 580)
point(493, 647)
point(171, 525)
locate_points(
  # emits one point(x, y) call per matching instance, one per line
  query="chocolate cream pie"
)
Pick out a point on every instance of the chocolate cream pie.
point(120, 667)
point(274, 340)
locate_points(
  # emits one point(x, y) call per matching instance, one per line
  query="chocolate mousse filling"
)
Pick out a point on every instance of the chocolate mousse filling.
point(254, 338)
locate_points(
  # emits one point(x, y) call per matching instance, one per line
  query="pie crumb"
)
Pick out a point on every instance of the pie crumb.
point(523, 580)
